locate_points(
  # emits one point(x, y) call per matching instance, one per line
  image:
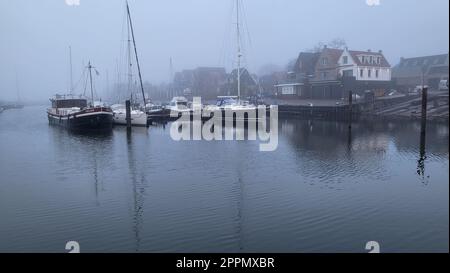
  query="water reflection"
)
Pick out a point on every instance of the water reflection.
point(422, 158)
point(138, 185)
point(324, 189)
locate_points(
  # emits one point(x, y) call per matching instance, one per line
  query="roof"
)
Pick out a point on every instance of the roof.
point(334, 53)
point(356, 53)
point(440, 59)
point(414, 67)
point(306, 62)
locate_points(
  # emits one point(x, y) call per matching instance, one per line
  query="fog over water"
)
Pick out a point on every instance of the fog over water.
point(35, 35)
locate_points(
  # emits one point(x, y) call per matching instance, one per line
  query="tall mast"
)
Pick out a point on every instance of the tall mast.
point(238, 52)
point(137, 59)
point(90, 79)
point(171, 89)
point(129, 64)
point(71, 77)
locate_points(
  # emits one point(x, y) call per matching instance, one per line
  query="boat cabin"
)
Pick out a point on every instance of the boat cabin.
point(68, 101)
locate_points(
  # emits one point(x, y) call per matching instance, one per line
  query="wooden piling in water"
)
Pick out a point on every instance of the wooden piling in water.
point(128, 113)
point(350, 108)
point(424, 110)
point(423, 124)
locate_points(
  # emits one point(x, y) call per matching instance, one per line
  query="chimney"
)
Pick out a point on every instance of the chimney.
point(325, 46)
point(369, 50)
point(380, 51)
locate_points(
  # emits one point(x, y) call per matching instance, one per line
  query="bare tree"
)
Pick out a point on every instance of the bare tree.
point(338, 43)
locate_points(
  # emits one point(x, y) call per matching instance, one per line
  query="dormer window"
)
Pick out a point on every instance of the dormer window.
point(370, 59)
point(324, 61)
point(345, 59)
point(363, 59)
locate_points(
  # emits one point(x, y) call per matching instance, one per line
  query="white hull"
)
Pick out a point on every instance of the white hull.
point(138, 118)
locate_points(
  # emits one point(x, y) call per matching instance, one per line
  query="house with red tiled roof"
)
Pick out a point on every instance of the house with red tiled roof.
point(364, 65)
point(332, 73)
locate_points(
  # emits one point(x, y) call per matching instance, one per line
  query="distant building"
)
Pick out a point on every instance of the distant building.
point(332, 73)
point(296, 82)
point(202, 81)
point(363, 71)
point(249, 84)
point(364, 65)
point(326, 83)
point(410, 72)
point(268, 83)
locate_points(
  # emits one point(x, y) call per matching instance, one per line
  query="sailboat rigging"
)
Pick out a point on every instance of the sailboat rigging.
point(138, 116)
point(75, 113)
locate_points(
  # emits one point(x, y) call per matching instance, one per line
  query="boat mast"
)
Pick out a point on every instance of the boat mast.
point(238, 52)
point(90, 79)
point(137, 59)
point(130, 75)
point(171, 89)
point(71, 77)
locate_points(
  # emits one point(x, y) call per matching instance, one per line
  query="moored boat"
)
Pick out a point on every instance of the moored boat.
point(77, 113)
point(138, 117)
point(74, 113)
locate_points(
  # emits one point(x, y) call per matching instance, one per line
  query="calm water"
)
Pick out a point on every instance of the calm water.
point(320, 191)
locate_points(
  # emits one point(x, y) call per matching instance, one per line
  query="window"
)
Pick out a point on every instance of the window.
point(348, 73)
point(378, 60)
point(371, 59)
point(369, 73)
point(361, 73)
point(324, 61)
point(363, 59)
point(377, 73)
point(324, 75)
point(345, 59)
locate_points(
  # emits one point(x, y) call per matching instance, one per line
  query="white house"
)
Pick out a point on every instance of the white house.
point(364, 65)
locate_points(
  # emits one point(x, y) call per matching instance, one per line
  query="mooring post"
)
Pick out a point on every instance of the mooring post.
point(128, 113)
point(424, 109)
point(423, 125)
point(350, 108)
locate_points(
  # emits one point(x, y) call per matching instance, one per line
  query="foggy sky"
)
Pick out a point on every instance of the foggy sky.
point(35, 35)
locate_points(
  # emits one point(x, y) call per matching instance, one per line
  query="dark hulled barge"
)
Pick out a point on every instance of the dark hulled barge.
point(74, 113)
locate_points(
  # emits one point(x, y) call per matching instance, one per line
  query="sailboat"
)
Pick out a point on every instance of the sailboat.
point(138, 116)
point(75, 112)
point(234, 103)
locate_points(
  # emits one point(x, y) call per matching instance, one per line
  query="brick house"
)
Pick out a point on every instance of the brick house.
point(296, 82)
point(326, 83)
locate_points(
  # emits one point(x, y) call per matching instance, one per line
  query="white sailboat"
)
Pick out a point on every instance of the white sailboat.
point(234, 103)
point(138, 117)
